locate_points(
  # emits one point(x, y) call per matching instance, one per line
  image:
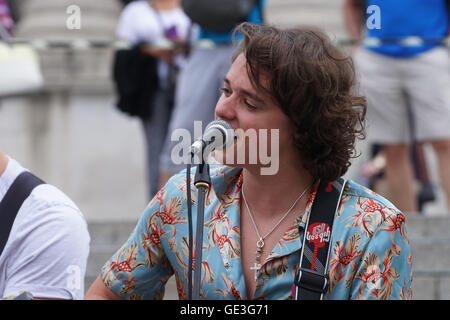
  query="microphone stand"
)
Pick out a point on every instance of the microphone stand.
point(189, 207)
point(202, 182)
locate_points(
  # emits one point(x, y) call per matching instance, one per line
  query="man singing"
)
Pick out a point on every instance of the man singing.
point(294, 81)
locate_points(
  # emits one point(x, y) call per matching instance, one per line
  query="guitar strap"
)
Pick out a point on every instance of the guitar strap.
point(13, 200)
point(311, 280)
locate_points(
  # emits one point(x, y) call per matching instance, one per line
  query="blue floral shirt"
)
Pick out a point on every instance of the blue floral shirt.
point(370, 252)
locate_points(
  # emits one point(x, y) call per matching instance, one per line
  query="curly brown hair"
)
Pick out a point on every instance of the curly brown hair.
point(313, 83)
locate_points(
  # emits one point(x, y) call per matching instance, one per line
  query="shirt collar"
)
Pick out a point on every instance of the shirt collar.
point(226, 182)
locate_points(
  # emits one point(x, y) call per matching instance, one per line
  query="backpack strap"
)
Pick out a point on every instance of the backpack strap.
point(11, 203)
point(311, 280)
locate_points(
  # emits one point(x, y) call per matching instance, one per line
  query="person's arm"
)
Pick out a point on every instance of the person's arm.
point(354, 18)
point(98, 291)
point(165, 54)
point(139, 269)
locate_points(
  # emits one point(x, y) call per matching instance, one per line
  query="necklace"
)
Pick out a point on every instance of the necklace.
point(260, 243)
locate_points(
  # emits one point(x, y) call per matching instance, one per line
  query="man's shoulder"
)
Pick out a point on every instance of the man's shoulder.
point(359, 199)
point(47, 204)
point(135, 10)
point(48, 195)
point(42, 197)
point(48, 212)
point(363, 212)
point(135, 6)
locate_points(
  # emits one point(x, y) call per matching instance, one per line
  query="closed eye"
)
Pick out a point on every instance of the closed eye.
point(249, 105)
point(225, 91)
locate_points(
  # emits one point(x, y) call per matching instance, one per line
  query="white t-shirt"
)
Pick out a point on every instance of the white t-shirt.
point(47, 249)
point(139, 22)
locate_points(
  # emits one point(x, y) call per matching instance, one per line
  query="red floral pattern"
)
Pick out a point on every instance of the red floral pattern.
point(370, 254)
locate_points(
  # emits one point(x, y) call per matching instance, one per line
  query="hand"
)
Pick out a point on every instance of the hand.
point(166, 55)
point(181, 47)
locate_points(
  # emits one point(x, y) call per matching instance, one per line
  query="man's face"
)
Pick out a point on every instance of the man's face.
point(255, 114)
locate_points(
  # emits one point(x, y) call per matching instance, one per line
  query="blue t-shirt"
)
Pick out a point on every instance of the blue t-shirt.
point(227, 37)
point(427, 19)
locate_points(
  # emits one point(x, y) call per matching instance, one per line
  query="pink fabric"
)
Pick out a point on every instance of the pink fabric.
point(5, 16)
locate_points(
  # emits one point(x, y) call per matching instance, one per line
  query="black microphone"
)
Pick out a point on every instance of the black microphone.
point(219, 134)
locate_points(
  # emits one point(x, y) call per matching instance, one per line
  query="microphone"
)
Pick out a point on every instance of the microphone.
point(219, 134)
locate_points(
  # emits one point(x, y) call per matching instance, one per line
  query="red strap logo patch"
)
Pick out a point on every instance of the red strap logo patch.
point(318, 234)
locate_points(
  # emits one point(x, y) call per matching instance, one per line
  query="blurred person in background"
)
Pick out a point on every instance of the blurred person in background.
point(395, 77)
point(199, 85)
point(158, 25)
point(6, 17)
point(45, 244)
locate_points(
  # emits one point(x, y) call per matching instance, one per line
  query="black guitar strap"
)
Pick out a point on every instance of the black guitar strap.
point(11, 203)
point(311, 280)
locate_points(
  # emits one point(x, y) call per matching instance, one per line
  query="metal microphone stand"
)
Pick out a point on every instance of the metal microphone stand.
point(202, 182)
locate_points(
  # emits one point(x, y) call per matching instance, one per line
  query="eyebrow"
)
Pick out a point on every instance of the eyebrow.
point(246, 92)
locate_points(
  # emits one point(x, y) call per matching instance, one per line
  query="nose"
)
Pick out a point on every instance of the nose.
point(225, 109)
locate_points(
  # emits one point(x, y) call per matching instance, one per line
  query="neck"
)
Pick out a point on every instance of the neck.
point(3, 162)
point(271, 194)
point(162, 5)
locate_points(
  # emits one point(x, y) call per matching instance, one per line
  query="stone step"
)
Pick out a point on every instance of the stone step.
point(48, 19)
point(430, 244)
point(54, 27)
point(429, 228)
point(427, 260)
point(106, 6)
point(110, 233)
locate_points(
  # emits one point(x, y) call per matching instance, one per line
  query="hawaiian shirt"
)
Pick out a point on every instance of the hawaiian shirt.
point(370, 256)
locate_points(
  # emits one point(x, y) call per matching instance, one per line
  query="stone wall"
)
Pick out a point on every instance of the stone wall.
point(430, 244)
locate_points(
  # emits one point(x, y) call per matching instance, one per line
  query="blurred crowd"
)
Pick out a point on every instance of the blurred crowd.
point(178, 70)
point(195, 65)
point(404, 74)
point(406, 85)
